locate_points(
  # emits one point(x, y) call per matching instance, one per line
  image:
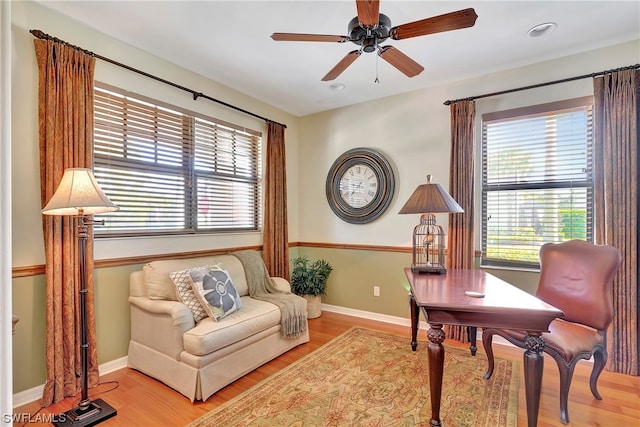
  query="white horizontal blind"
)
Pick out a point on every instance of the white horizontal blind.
point(227, 165)
point(537, 180)
point(172, 172)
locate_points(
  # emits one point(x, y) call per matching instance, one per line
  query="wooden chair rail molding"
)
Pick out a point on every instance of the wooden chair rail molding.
point(35, 270)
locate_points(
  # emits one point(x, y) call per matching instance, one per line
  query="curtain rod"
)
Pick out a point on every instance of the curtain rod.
point(41, 35)
point(569, 79)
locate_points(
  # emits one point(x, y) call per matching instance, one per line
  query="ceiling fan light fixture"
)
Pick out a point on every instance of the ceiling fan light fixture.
point(337, 87)
point(542, 29)
point(369, 29)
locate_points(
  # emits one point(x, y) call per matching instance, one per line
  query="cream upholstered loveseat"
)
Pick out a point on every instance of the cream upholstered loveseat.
point(199, 358)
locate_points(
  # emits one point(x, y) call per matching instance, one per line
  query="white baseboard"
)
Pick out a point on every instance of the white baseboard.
point(35, 393)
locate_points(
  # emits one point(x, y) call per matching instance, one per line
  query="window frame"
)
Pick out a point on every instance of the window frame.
point(541, 110)
point(187, 164)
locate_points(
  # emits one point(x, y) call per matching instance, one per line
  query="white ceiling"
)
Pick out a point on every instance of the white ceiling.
point(229, 42)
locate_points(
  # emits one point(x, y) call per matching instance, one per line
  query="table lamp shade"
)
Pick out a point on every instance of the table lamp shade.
point(430, 198)
point(78, 194)
point(428, 237)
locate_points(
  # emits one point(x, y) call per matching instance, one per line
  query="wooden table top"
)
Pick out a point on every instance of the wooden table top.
point(504, 306)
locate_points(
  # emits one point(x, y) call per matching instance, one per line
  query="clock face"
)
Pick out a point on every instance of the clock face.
point(360, 185)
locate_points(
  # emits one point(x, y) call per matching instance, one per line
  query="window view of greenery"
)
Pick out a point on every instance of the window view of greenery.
point(173, 172)
point(537, 181)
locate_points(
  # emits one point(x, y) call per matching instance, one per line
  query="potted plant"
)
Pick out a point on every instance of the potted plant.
point(309, 280)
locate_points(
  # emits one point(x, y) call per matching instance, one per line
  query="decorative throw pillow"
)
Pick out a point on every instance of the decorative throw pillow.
point(182, 281)
point(214, 288)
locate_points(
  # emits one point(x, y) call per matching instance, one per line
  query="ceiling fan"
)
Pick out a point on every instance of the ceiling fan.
point(370, 28)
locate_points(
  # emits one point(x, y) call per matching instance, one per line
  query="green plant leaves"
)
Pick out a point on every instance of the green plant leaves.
point(309, 278)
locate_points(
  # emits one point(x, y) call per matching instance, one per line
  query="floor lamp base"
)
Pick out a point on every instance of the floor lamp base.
point(97, 412)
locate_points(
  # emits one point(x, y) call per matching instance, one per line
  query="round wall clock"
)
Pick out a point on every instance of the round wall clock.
point(360, 185)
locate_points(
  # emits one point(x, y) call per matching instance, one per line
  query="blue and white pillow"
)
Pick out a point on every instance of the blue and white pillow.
point(215, 290)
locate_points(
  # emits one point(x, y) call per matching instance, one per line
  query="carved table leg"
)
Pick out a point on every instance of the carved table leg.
point(435, 352)
point(533, 365)
point(415, 315)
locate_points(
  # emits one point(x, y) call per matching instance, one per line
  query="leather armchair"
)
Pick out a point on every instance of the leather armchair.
point(576, 277)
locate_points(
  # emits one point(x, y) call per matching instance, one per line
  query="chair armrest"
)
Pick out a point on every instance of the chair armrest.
point(282, 284)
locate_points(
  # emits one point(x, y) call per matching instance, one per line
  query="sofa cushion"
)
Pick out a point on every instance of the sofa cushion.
point(182, 281)
point(214, 288)
point(208, 336)
point(160, 286)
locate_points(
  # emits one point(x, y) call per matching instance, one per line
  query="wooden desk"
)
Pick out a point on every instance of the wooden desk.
point(443, 302)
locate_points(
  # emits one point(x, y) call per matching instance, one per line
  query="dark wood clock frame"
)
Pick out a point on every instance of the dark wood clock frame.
point(383, 196)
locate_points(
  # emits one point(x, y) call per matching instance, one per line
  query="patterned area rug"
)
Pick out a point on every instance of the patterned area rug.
point(372, 378)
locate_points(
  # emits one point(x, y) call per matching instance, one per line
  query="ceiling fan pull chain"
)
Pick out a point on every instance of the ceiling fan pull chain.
point(377, 56)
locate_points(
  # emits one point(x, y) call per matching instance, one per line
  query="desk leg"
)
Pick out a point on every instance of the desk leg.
point(533, 365)
point(415, 316)
point(435, 351)
point(472, 333)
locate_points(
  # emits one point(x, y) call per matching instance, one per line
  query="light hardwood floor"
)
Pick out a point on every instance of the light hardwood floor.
point(142, 401)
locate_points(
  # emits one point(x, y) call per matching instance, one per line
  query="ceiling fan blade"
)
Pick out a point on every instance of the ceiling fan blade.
point(368, 12)
point(449, 21)
point(294, 37)
point(342, 65)
point(401, 61)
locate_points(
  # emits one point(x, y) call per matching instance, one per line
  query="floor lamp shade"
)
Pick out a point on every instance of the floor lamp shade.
point(428, 237)
point(79, 194)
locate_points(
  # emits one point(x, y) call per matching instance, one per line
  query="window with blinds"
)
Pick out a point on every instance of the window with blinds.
point(537, 180)
point(171, 171)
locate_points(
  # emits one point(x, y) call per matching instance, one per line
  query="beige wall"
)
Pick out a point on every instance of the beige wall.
point(412, 130)
point(25, 169)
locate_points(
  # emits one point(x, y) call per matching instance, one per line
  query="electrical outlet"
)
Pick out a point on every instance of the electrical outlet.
point(376, 291)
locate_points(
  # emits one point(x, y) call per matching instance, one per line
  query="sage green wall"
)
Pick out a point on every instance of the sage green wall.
point(28, 299)
point(112, 323)
point(356, 272)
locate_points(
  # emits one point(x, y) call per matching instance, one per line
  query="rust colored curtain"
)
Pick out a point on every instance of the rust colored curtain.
point(460, 239)
point(616, 117)
point(275, 243)
point(65, 110)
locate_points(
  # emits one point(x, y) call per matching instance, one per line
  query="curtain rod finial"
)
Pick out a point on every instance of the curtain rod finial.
point(39, 34)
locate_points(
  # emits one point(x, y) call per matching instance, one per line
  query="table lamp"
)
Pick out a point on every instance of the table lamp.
point(428, 237)
point(78, 194)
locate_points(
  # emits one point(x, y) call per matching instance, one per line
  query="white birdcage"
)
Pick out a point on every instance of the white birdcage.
point(428, 246)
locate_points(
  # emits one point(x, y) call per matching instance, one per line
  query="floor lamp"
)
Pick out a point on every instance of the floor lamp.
point(80, 195)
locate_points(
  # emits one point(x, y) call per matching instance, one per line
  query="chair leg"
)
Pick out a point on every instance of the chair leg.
point(487, 338)
point(599, 362)
point(566, 374)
